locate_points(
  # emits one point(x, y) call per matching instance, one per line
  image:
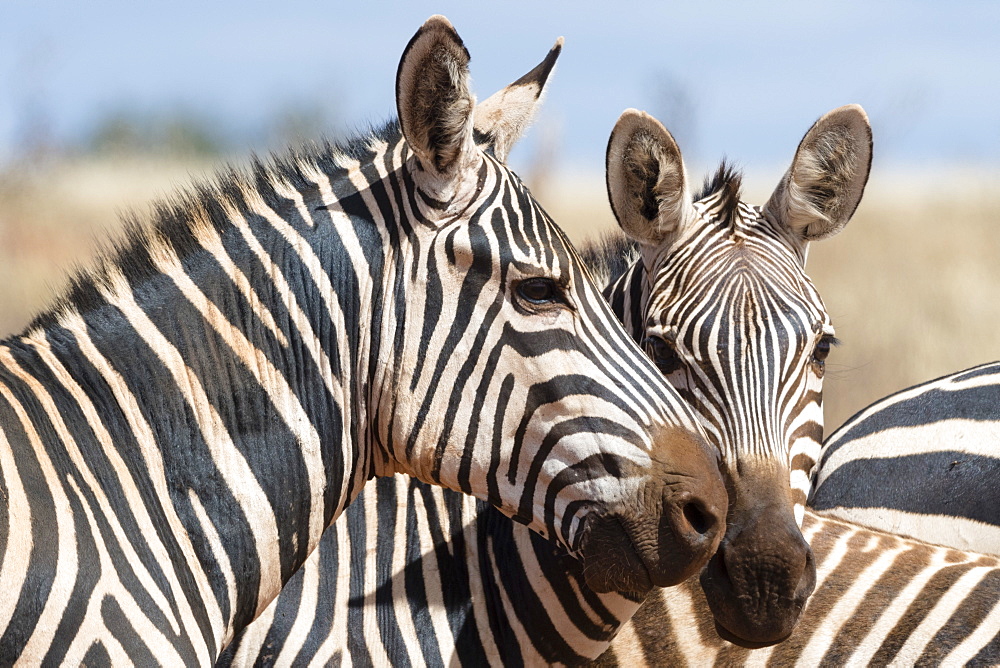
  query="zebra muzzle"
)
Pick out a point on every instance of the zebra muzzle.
point(658, 543)
point(760, 578)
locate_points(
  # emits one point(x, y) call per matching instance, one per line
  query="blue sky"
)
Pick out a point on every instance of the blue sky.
point(739, 79)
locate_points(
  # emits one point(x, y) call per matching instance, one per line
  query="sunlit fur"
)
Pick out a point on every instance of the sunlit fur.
point(427, 555)
point(457, 588)
point(548, 615)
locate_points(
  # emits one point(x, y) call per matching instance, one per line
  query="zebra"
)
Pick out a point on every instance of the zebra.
point(720, 298)
point(922, 462)
point(180, 428)
point(512, 599)
point(880, 600)
point(413, 575)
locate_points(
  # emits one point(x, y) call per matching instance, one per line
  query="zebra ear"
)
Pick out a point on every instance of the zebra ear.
point(504, 116)
point(822, 188)
point(433, 97)
point(646, 181)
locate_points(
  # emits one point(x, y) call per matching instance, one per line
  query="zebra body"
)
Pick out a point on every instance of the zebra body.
point(178, 432)
point(496, 594)
point(922, 462)
point(444, 581)
point(880, 600)
point(456, 582)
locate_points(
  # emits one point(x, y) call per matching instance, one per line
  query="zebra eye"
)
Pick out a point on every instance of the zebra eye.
point(663, 354)
point(822, 349)
point(539, 291)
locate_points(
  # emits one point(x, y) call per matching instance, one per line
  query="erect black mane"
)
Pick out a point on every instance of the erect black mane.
point(609, 256)
point(728, 181)
point(172, 221)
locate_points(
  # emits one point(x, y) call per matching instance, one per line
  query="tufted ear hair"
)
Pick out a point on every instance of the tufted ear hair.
point(433, 98)
point(821, 190)
point(504, 116)
point(647, 184)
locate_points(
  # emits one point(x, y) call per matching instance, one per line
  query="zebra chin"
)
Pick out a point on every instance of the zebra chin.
point(630, 553)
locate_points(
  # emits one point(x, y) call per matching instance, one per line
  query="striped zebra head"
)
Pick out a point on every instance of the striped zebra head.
point(730, 317)
point(504, 373)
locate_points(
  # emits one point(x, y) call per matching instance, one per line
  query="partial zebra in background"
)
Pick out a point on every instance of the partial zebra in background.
point(880, 600)
point(923, 462)
point(177, 433)
point(415, 576)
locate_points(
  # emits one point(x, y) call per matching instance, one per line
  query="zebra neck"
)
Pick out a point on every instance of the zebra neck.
point(212, 402)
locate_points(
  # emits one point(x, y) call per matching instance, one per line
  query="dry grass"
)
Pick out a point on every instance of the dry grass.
point(910, 283)
point(53, 217)
point(912, 286)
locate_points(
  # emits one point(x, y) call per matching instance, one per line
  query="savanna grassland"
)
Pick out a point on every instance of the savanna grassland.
point(912, 283)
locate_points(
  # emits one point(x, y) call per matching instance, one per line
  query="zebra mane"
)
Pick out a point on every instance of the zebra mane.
point(172, 222)
point(727, 182)
point(609, 256)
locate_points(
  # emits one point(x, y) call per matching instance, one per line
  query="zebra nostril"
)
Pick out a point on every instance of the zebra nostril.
point(699, 520)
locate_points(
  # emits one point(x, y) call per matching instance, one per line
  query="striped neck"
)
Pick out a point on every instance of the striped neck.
point(220, 354)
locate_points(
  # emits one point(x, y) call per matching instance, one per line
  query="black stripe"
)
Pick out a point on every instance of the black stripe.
point(951, 483)
point(122, 630)
point(44, 539)
point(358, 532)
point(326, 593)
point(385, 611)
point(420, 499)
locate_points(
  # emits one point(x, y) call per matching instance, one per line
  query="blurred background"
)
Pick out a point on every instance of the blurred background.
point(107, 106)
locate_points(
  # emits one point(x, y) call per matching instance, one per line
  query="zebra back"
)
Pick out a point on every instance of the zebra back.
point(922, 462)
point(880, 600)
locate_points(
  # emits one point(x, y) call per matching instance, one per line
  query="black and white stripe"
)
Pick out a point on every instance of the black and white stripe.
point(464, 585)
point(923, 462)
point(436, 579)
point(880, 600)
point(417, 575)
point(720, 297)
point(178, 432)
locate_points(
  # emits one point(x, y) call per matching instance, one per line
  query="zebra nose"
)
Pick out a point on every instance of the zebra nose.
point(691, 527)
point(701, 520)
point(760, 579)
